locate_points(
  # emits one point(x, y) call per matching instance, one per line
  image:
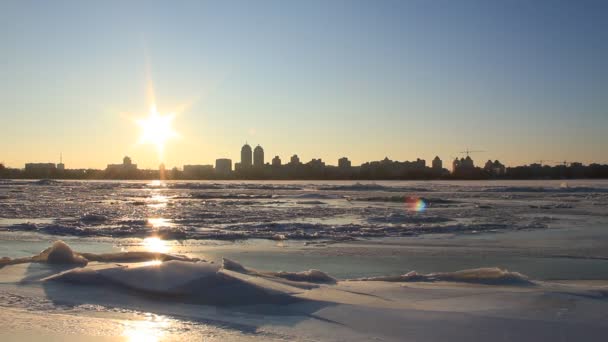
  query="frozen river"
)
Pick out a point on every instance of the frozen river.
point(548, 233)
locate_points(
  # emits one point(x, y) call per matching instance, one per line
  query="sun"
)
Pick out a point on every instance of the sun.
point(157, 129)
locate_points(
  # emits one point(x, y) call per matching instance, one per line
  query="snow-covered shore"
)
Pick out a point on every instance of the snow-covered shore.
point(192, 299)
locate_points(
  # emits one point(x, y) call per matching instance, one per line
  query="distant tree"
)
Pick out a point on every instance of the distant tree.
point(2, 167)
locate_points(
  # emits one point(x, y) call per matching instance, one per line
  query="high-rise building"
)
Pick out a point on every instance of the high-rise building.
point(246, 156)
point(344, 163)
point(437, 163)
point(276, 161)
point(467, 163)
point(316, 163)
point(495, 168)
point(455, 165)
point(223, 166)
point(258, 156)
point(295, 160)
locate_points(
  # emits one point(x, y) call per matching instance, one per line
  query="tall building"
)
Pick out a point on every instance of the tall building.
point(467, 162)
point(463, 166)
point(246, 156)
point(437, 163)
point(276, 161)
point(223, 166)
point(344, 163)
point(495, 168)
point(258, 156)
point(295, 160)
point(455, 165)
point(316, 163)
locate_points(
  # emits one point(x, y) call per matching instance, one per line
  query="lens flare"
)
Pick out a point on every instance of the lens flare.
point(415, 204)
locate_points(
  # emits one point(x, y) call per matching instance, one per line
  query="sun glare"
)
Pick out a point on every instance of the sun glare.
point(156, 129)
point(156, 245)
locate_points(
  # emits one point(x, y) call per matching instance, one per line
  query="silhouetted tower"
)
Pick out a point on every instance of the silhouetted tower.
point(455, 165)
point(437, 163)
point(61, 165)
point(276, 161)
point(258, 156)
point(295, 160)
point(126, 161)
point(467, 162)
point(344, 163)
point(246, 156)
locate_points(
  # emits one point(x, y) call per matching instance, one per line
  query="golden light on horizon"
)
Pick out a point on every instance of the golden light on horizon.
point(157, 129)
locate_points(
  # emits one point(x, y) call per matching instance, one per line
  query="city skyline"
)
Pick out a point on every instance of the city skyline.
point(256, 158)
point(523, 81)
point(251, 166)
point(264, 159)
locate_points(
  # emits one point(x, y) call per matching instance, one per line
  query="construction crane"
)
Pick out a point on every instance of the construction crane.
point(467, 152)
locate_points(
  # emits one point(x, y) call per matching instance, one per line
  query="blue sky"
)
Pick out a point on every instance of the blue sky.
point(523, 80)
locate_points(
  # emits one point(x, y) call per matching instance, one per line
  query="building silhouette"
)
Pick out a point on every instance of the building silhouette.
point(316, 163)
point(462, 164)
point(463, 168)
point(258, 156)
point(197, 171)
point(495, 168)
point(40, 170)
point(437, 164)
point(126, 166)
point(223, 166)
point(246, 156)
point(40, 167)
point(344, 163)
point(295, 160)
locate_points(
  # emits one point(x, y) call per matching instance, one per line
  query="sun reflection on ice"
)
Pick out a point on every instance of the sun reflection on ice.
point(152, 329)
point(150, 263)
point(156, 184)
point(159, 222)
point(156, 245)
point(157, 200)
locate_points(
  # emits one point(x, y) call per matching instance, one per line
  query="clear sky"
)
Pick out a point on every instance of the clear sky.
point(523, 80)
